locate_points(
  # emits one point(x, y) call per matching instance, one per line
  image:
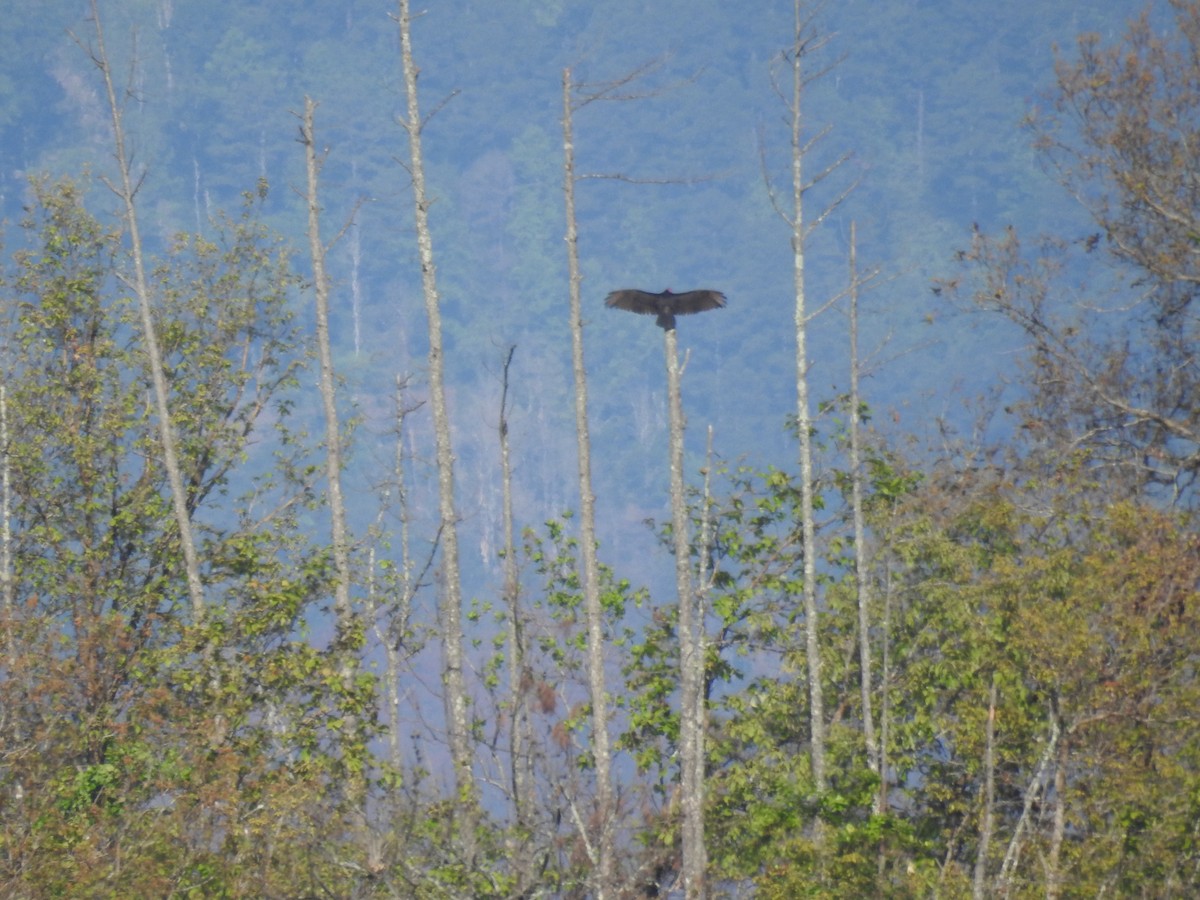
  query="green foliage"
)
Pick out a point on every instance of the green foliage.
point(169, 754)
point(555, 559)
point(144, 755)
point(969, 583)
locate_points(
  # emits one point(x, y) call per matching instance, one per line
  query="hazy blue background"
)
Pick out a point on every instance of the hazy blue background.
point(927, 99)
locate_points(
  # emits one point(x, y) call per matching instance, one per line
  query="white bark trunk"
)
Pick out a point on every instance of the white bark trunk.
point(691, 662)
point(804, 427)
point(127, 190)
point(450, 611)
point(601, 749)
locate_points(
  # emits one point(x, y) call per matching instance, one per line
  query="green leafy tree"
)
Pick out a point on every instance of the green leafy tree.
point(146, 754)
point(559, 668)
point(765, 796)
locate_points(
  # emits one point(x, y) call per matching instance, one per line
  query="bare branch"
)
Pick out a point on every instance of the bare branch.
point(584, 93)
point(442, 104)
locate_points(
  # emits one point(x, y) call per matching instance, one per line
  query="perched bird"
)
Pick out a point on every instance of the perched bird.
point(665, 305)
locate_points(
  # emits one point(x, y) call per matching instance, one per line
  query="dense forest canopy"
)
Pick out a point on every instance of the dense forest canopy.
point(351, 547)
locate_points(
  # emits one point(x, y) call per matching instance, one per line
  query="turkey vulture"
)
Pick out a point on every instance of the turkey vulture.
point(665, 305)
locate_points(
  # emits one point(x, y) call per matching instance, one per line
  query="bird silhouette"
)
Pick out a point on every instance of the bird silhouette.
point(667, 305)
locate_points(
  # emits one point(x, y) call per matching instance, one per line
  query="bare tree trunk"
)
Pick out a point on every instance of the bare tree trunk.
point(450, 613)
point(804, 424)
point(1054, 876)
point(862, 576)
point(605, 862)
point(7, 586)
point(394, 631)
point(127, 191)
point(987, 814)
point(347, 637)
point(520, 734)
point(704, 582)
point(6, 573)
point(333, 438)
point(691, 663)
point(885, 675)
point(874, 750)
point(1004, 881)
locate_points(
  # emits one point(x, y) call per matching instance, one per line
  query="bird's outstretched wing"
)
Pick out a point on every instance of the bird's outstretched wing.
point(697, 301)
point(648, 303)
point(634, 300)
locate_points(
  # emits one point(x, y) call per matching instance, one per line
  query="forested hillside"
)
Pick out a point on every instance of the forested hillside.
point(351, 546)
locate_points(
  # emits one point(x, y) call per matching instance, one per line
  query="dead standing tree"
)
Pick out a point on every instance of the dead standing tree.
point(666, 306)
point(805, 43)
point(349, 633)
point(575, 97)
point(691, 656)
point(333, 441)
point(602, 851)
point(450, 606)
point(520, 738)
point(691, 619)
point(126, 190)
point(857, 491)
